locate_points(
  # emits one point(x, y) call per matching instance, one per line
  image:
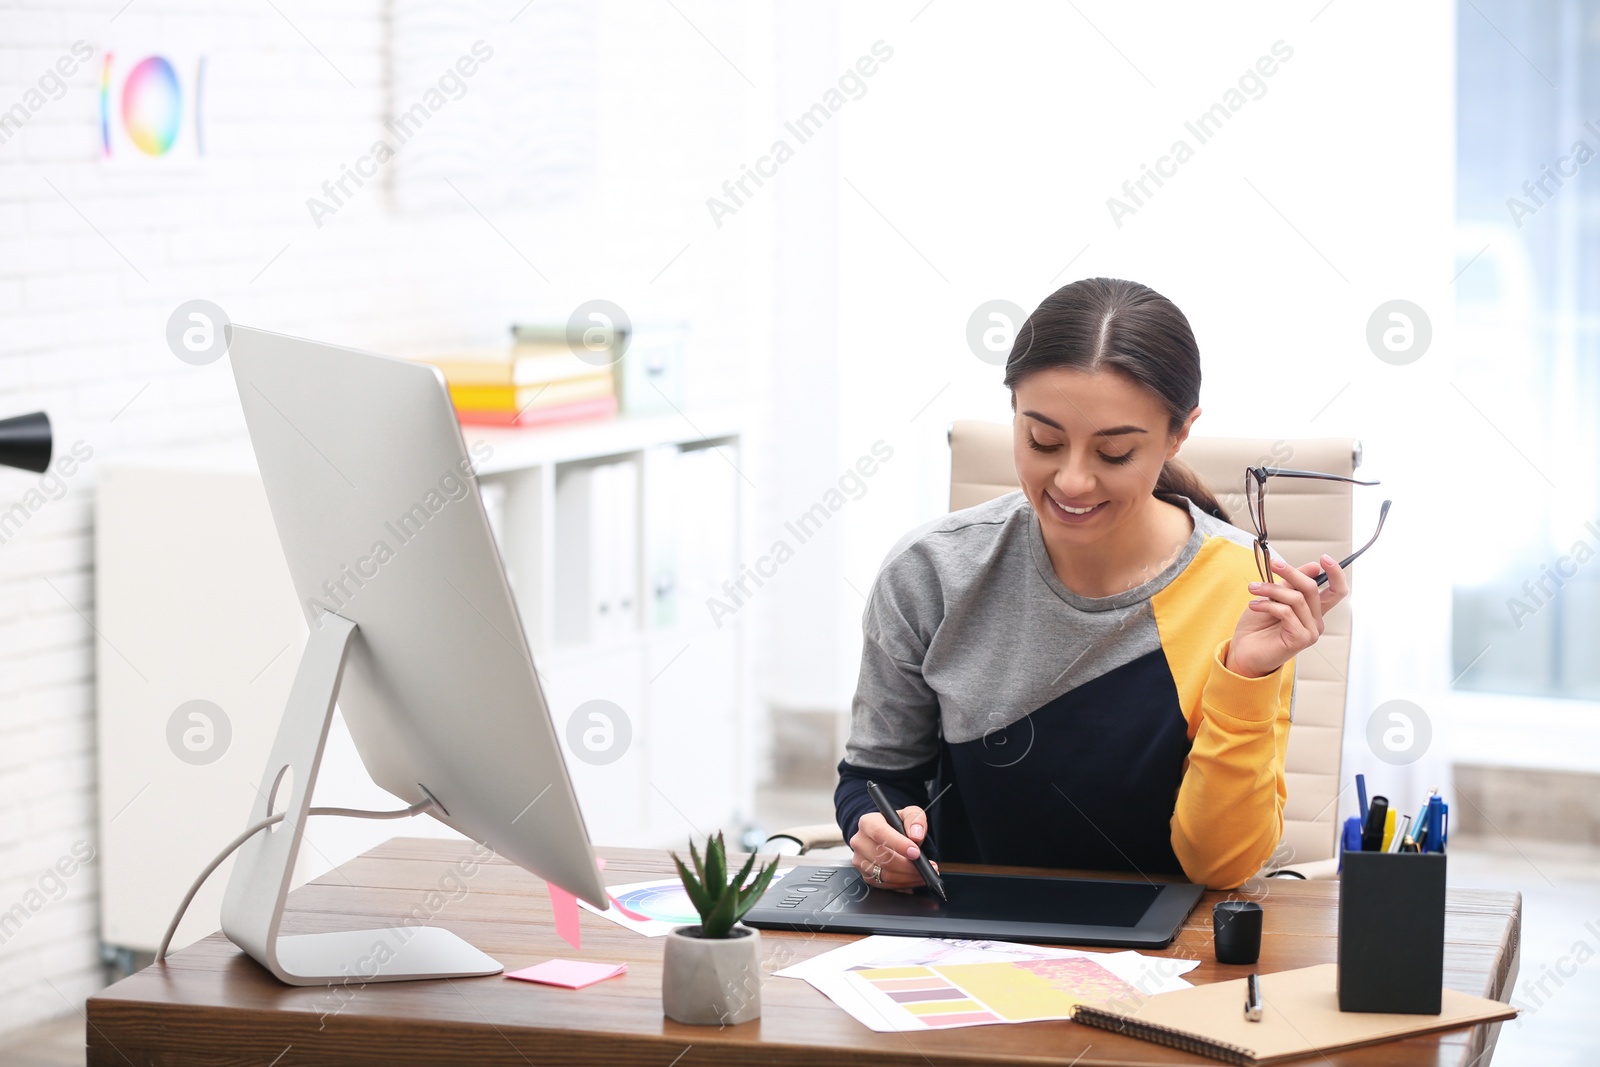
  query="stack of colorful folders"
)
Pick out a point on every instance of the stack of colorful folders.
point(527, 384)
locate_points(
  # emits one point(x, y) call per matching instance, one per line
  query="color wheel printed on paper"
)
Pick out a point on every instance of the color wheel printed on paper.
point(663, 903)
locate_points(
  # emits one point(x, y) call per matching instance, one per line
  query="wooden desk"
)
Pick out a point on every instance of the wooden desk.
point(212, 1005)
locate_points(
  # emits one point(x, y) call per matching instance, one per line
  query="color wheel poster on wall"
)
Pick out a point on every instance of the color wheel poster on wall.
point(652, 908)
point(152, 104)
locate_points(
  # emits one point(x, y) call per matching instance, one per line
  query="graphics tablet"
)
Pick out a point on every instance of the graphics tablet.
point(1001, 907)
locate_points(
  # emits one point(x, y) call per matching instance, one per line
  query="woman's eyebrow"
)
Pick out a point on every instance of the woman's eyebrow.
point(1115, 431)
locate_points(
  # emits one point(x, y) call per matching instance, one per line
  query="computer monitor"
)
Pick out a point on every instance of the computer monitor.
point(414, 632)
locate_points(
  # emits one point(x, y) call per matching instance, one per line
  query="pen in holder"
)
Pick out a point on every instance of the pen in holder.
point(1391, 932)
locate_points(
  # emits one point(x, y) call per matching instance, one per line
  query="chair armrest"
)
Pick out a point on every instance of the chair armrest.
point(1316, 870)
point(798, 840)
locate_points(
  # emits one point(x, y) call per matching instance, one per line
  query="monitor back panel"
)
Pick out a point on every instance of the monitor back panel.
point(375, 499)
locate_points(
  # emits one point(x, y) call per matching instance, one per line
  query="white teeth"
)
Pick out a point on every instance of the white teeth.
point(1072, 511)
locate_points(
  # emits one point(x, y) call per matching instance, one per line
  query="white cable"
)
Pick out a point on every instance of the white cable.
point(232, 846)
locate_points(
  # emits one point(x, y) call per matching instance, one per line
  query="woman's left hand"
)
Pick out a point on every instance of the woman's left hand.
point(1285, 618)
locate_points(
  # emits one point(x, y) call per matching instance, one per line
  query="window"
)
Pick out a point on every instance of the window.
point(1526, 574)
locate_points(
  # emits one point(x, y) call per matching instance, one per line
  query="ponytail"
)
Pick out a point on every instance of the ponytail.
point(1178, 481)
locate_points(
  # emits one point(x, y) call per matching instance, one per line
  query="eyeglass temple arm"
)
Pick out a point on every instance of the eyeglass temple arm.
point(1289, 472)
point(1383, 513)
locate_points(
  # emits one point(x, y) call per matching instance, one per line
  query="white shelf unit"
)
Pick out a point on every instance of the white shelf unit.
point(195, 602)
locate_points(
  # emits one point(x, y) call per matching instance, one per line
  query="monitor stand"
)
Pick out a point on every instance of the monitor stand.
point(252, 909)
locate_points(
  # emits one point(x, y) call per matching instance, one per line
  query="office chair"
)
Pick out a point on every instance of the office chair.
point(1308, 517)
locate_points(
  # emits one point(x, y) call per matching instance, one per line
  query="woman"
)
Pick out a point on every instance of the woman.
point(1089, 672)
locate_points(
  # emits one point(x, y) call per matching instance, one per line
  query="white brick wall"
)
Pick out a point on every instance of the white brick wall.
point(82, 314)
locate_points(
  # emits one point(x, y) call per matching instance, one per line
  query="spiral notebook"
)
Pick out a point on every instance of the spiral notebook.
point(1301, 1017)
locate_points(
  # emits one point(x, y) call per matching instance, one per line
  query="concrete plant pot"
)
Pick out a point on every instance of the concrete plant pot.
point(712, 981)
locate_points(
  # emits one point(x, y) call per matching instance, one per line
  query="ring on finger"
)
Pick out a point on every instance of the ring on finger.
point(877, 874)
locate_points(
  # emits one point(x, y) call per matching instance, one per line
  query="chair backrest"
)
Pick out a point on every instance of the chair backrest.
point(1307, 517)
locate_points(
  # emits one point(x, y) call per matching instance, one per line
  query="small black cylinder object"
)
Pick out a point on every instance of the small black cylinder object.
point(25, 442)
point(1236, 930)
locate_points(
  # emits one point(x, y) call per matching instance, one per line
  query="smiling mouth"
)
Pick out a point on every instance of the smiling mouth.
point(1071, 512)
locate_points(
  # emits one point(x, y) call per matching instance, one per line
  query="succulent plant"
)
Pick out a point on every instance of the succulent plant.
point(720, 901)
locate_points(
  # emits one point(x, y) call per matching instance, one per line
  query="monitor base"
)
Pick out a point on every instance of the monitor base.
point(397, 954)
point(252, 908)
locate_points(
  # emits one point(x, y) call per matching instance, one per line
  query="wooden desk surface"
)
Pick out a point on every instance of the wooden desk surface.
point(211, 1005)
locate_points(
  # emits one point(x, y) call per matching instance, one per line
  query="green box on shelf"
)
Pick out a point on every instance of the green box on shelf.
point(651, 377)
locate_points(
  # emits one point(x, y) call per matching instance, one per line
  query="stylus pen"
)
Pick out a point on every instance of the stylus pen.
point(924, 868)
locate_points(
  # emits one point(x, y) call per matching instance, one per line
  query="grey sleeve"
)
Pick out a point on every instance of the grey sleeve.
point(894, 716)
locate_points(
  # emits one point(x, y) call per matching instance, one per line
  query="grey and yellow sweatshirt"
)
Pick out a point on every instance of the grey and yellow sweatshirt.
point(1046, 729)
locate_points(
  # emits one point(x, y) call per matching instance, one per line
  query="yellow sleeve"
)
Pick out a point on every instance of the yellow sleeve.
point(1229, 814)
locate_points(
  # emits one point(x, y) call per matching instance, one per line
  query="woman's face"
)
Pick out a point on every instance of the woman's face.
point(1089, 446)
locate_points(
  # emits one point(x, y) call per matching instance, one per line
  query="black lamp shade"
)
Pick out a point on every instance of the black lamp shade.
point(25, 442)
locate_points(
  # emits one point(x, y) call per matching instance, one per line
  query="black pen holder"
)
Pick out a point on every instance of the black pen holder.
point(1391, 932)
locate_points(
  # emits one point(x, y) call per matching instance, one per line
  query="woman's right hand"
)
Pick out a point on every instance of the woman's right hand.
point(876, 846)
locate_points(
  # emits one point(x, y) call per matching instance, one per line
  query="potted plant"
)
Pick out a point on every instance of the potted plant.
point(712, 971)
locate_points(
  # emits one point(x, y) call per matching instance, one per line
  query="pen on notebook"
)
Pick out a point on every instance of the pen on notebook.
point(890, 816)
point(1252, 998)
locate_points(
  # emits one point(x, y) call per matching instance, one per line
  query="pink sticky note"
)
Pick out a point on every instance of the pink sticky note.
point(565, 907)
point(573, 974)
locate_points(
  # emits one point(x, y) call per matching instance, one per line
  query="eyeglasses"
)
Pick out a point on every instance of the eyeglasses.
point(1255, 494)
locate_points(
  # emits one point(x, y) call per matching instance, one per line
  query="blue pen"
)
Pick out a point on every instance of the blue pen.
point(1436, 825)
point(1352, 838)
point(1420, 826)
point(1361, 797)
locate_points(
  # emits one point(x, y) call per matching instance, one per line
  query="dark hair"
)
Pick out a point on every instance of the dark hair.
point(1107, 323)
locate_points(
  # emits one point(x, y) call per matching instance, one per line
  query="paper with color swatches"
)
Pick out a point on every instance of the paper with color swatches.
point(889, 983)
point(970, 994)
point(571, 974)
